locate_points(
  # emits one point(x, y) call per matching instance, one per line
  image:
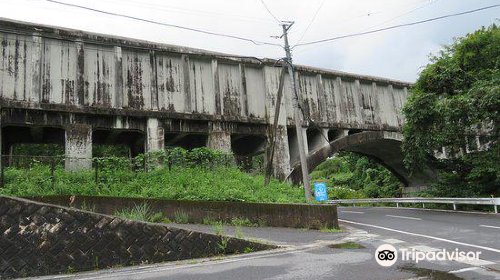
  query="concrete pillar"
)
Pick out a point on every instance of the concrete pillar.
point(78, 147)
point(219, 138)
point(294, 146)
point(118, 77)
point(281, 159)
point(155, 136)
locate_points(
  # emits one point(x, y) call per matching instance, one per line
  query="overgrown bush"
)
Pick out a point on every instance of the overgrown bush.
point(455, 99)
point(351, 176)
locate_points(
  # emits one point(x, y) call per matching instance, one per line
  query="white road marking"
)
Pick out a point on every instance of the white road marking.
point(355, 212)
point(478, 262)
point(487, 226)
point(464, 269)
point(403, 217)
point(423, 235)
point(393, 241)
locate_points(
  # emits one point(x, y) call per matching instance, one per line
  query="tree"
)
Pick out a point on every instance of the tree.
point(455, 99)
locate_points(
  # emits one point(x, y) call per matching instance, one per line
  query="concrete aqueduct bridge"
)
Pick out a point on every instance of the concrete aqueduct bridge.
point(81, 89)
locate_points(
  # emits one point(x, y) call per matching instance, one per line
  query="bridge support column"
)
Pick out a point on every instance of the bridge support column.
point(219, 138)
point(78, 147)
point(155, 136)
point(281, 159)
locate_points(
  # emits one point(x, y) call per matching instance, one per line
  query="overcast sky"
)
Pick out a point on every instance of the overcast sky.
point(397, 54)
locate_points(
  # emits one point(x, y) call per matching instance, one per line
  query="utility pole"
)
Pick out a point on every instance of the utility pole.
point(297, 116)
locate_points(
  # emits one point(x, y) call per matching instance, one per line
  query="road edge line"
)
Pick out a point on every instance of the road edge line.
point(423, 235)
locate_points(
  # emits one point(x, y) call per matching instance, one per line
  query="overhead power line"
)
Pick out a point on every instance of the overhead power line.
point(256, 42)
point(407, 13)
point(179, 10)
point(396, 26)
point(269, 11)
point(310, 23)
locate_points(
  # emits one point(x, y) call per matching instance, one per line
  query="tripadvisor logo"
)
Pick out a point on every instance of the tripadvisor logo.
point(387, 255)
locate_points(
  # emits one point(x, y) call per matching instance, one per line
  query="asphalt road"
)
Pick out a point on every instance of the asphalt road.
point(306, 253)
point(441, 229)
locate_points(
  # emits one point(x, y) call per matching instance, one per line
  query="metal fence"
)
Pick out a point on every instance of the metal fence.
point(495, 202)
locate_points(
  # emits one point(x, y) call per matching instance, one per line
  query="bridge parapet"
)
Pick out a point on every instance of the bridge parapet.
point(149, 95)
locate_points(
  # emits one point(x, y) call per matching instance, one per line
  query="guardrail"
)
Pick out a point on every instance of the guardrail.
point(495, 202)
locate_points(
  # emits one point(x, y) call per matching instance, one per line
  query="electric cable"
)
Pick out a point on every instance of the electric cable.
point(310, 23)
point(396, 26)
point(269, 11)
point(256, 42)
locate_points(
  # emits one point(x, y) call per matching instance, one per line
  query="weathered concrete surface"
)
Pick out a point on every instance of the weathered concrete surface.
point(314, 216)
point(78, 147)
point(219, 138)
point(383, 146)
point(156, 136)
point(162, 95)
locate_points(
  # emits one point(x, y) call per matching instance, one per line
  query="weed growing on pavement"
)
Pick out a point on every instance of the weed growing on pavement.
point(181, 217)
point(210, 221)
point(218, 229)
point(238, 233)
point(331, 230)
point(222, 245)
point(242, 222)
point(347, 245)
point(248, 250)
point(141, 212)
point(138, 212)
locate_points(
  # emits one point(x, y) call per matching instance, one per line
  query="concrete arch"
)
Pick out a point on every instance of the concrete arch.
point(382, 146)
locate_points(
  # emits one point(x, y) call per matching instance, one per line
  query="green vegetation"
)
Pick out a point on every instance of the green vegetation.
point(198, 174)
point(235, 221)
point(455, 99)
point(238, 233)
point(210, 221)
point(351, 176)
point(242, 222)
point(223, 244)
point(331, 230)
point(141, 212)
point(181, 217)
point(347, 245)
point(248, 250)
point(219, 229)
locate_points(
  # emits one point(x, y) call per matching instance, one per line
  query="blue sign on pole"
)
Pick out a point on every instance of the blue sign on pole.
point(320, 191)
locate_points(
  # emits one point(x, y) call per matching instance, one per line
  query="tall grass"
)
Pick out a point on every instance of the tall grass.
point(202, 181)
point(142, 212)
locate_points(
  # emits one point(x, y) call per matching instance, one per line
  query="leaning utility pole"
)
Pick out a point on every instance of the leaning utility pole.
point(297, 117)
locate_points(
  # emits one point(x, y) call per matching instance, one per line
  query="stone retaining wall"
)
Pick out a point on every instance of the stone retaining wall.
point(314, 216)
point(38, 239)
